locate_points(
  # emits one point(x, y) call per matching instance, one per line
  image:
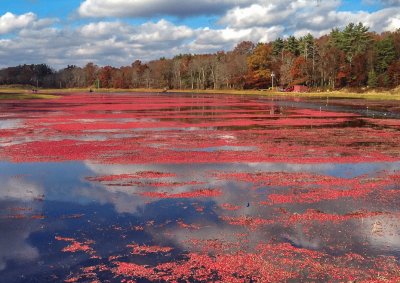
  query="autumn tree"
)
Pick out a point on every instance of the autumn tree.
point(90, 74)
point(161, 73)
point(105, 77)
point(260, 64)
point(394, 74)
point(331, 65)
point(286, 77)
point(299, 71)
point(244, 48)
point(358, 71)
point(71, 77)
point(235, 69)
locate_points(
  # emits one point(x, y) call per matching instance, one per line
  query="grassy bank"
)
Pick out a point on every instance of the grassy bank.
point(373, 95)
point(20, 94)
point(52, 93)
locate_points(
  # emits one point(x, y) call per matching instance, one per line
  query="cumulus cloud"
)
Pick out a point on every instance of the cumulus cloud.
point(149, 8)
point(10, 22)
point(300, 17)
point(275, 12)
point(104, 43)
point(211, 40)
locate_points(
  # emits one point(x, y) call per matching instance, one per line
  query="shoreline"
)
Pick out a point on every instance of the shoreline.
point(20, 93)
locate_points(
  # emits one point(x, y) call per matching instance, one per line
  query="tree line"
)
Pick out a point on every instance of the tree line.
point(348, 57)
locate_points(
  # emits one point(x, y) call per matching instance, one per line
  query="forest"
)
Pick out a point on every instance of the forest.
point(352, 57)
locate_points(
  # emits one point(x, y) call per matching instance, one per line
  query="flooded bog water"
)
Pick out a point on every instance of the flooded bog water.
point(197, 188)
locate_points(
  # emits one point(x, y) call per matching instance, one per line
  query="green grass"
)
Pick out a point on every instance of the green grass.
point(333, 94)
point(52, 93)
point(372, 95)
point(21, 95)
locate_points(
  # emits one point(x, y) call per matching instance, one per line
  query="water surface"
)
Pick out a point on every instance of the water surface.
point(197, 188)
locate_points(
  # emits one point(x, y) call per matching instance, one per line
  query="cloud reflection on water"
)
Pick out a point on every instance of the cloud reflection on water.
point(17, 194)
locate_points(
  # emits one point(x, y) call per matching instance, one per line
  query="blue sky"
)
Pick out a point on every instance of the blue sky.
point(357, 5)
point(65, 10)
point(115, 32)
point(43, 8)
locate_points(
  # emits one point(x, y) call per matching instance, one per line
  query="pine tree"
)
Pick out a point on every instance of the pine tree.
point(336, 38)
point(372, 79)
point(306, 45)
point(277, 46)
point(292, 45)
point(385, 54)
point(353, 40)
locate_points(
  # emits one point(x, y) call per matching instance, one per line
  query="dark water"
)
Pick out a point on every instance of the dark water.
point(30, 253)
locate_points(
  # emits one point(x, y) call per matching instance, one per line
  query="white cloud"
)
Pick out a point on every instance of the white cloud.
point(149, 8)
point(162, 31)
point(255, 15)
point(212, 40)
point(300, 17)
point(104, 43)
point(276, 12)
point(10, 22)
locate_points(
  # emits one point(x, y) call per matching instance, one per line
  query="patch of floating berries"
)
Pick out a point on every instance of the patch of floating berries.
point(127, 129)
point(75, 246)
point(144, 250)
point(202, 193)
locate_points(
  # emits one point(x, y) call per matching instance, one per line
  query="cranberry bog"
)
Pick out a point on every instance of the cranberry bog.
point(199, 188)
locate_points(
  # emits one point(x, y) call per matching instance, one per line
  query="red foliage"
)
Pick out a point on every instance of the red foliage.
point(299, 71)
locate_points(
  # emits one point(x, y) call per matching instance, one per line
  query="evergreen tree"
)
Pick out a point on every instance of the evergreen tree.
point(336, 38)
point(306, 45)
point(353, 40)
point(385, 54)
point(292, 45)
point(372, 79)
point(277, 46)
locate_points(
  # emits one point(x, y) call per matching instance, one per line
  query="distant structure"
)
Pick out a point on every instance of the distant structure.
point(300, 88)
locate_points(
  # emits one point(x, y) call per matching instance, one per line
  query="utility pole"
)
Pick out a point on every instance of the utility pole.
point(272, 78)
